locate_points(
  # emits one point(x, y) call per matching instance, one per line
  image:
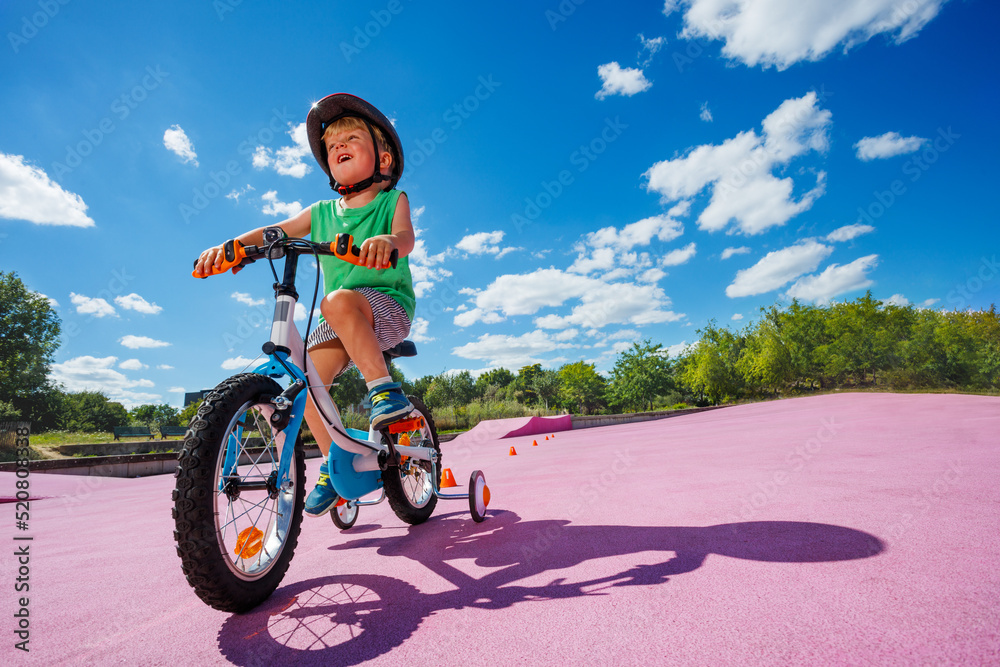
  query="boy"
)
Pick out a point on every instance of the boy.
point(366, 309)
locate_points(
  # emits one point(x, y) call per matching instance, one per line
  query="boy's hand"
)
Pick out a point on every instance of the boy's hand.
point(212, 259)
point(376, 251)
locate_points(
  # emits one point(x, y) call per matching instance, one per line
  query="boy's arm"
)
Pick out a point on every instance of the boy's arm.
point(297, 226)
point(376, 250)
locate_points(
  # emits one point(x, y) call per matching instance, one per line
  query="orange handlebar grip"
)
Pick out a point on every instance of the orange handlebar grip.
point(234, 253)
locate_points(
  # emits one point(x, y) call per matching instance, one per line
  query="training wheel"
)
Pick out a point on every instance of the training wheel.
point(344, 515)
point(479, 495)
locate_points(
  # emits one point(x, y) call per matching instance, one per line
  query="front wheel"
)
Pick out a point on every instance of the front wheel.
point(410, 487)
point(236, 522)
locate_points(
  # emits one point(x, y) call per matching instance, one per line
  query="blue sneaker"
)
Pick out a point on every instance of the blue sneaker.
point(322, 497)
point(388, 404)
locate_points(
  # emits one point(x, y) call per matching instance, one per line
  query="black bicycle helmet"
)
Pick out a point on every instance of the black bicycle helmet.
point(340, 105)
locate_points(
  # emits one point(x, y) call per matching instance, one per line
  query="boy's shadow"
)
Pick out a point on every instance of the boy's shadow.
point(347, 619)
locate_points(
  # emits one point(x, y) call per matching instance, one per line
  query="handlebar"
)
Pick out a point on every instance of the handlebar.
point(237, 255)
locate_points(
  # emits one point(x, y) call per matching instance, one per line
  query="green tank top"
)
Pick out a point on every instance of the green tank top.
point(330, 218)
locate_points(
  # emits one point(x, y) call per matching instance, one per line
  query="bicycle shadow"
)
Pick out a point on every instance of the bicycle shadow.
point(347, 619)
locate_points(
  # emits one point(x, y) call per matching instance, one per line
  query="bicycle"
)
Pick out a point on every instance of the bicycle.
point(240, 487)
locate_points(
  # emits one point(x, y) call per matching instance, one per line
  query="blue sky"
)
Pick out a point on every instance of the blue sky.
point(583, 174)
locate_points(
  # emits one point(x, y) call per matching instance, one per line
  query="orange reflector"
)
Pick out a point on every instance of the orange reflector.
point(404, 440)
point(407, 425)
point(342, 501)
point(447, 479)
point(486, 496)
point(249, 542)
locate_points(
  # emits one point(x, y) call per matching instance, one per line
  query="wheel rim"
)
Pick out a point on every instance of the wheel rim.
point(415, 476)
point(347, 512)
point(251, 529)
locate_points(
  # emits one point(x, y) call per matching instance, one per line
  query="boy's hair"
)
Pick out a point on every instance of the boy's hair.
point(348, 123)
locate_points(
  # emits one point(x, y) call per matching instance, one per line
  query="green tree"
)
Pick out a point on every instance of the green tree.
point(155, 415)
point(710, 368)
point(450, 389)
point(546, 386)
point(497, 377)
point(29, 336)
point(349, 389)
point(92, 411)
point(640, 374)
point(524, 384)
point(581, 387)
point(188, 413)
point(765, 360)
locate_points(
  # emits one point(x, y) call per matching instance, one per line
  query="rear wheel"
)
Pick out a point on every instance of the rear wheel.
point(236, 523)
point(410, 487)
point(345, 515)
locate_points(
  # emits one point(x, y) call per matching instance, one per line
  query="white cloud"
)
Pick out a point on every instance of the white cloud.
point(422, 267)
point(274, 207)
point(606, 249)
point(650, 47)
point(679, 256)
point(615, 303)
point(236, 363)
point(135, 302)
point(739, 170)
point(236, 194)
point(784, 32)
point(88, 373)
point(729, 252)
point(177, 141)
point(287, 161)
point(662, 227)
point(896, 300)
point(177, 390)
point(887, 145)
point(52, 302)
point(27, 193)
point(418, 331)
point(737, 317)
point(165, 367)
point(618, 81)
point(481, 243)
point(834, 280)
point(247, 300)
point(86, 305)
point(302, 314)
point(848, 232)
point(512, 351)
point(132, 365)
point(138, 342)
point(706, 113)
point(927, 303)
point(777, 268)
point(600, 302)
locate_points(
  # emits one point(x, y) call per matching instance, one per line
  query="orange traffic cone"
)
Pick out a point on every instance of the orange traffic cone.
point(513, 452)
point(534, 443)
point(553, 436)
point(546, 437)
point(447, 479)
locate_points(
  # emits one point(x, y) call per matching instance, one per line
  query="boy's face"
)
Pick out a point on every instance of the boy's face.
point(351, 156)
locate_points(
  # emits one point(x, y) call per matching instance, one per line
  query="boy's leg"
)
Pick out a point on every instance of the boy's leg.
point(354, 324)
point(350, 315)
point(329, 358)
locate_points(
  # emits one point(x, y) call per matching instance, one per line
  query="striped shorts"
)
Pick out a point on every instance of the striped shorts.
point(392, 325)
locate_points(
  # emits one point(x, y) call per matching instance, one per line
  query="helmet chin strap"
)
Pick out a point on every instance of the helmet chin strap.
point(376, 177)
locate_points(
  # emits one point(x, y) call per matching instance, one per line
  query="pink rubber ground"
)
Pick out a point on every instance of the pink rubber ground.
point(845, 529)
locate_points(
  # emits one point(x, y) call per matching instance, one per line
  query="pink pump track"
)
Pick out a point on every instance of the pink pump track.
point(840, 529)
